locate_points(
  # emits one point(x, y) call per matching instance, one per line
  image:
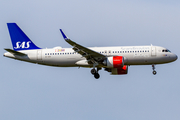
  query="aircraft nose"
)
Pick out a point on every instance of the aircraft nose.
point(175, 57)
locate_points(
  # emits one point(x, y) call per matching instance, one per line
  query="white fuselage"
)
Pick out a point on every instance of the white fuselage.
point(113, 59)
point(66, 57)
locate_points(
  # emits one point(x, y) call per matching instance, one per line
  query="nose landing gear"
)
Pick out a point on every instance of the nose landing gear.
point(154, 72)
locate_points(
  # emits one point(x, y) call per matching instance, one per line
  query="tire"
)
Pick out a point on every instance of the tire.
point(96, 75)
point(154, 72)
point(93, 71)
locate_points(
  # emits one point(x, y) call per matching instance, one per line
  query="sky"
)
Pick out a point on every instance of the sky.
point(36, 92)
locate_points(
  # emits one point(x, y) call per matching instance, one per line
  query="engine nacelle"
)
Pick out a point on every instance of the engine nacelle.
point(114, 62)
point(119, 71)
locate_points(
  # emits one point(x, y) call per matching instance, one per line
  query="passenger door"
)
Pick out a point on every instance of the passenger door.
point(153, 51)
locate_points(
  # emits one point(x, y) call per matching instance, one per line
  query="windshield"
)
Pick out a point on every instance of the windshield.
point(166, 50)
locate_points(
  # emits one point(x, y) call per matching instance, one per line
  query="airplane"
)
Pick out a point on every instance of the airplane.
point(115, 60)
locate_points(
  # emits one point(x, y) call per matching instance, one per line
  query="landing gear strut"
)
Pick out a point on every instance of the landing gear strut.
point(154, 72)
point(95, 72)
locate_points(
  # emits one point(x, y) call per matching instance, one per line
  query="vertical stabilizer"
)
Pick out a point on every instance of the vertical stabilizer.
point(19, 39)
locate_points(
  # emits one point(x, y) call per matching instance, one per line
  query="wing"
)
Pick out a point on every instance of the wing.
point(90, 55)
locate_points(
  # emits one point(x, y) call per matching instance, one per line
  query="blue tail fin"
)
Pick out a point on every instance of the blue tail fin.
point(19, 39)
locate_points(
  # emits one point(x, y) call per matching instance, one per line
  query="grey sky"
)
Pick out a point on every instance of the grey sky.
point(29, 91)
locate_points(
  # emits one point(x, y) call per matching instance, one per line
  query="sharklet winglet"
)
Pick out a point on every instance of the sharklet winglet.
point(64, 36)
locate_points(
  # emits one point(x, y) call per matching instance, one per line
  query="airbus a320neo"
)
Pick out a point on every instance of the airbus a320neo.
point(113, 59)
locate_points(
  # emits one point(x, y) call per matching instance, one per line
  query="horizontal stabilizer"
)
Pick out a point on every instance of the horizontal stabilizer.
point(15, 52)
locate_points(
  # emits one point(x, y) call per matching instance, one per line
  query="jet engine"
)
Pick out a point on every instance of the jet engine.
point(114, 62)
point(115, 65)
point(119, 71)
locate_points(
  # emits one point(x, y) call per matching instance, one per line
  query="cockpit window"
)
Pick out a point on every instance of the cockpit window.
point(166, 50)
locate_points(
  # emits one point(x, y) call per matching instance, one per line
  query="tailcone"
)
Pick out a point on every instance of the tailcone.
point(7, 54)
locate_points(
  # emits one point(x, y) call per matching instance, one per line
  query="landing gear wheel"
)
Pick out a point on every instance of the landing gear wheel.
point(93, 71)
point(96, 75)
point(154, 72)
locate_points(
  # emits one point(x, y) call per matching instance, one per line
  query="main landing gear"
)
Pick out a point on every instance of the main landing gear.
point(154, 72)
point(95, 72)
